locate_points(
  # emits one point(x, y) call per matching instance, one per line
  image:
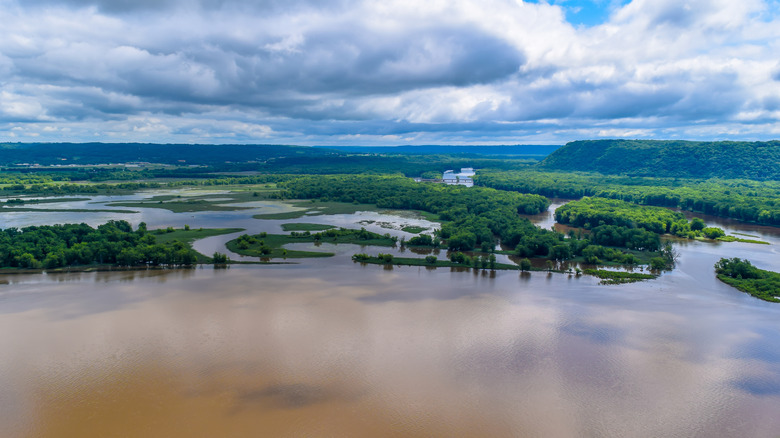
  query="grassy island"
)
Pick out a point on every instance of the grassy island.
point(270, 245)
point(618, 277)
point(744, 276)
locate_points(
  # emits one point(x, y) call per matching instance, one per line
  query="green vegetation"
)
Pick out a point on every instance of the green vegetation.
point(475, 214)
point(194, 202)
point(27, 201)
point(619, 232)
point(744, 276)
point(589, 212)
point(175, 154)
point(202, 161)
point(316, 208)
point(618, 277)
point(739, 239)
point(188, 236)
point(430, 261)
point(686, 159)
point(54, 189)
point(220, 259)
point(604, 245)
point(747, 200)
point(281, 216)
point(424, 240)
point(65, 210)
point(476, 217)
point(113, 243)
point(300, 226)
point(270, 245)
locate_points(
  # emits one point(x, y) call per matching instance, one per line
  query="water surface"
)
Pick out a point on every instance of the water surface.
point(331, 348)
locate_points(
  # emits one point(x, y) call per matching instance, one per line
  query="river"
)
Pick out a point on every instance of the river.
point(325, 347)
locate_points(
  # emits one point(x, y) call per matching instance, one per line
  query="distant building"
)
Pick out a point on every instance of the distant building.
point(464, 178)
point(449, 177)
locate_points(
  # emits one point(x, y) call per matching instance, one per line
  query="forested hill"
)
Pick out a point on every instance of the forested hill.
point(103, 153)
point(668, 158)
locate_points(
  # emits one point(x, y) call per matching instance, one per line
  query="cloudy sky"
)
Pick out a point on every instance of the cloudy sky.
point(388, 72)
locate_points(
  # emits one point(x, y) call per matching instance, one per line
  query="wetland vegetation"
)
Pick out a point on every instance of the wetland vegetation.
point(744, 276)
point(269, 246)
point(618, 222)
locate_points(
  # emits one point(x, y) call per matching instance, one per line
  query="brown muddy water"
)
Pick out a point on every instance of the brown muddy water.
point(331, 348)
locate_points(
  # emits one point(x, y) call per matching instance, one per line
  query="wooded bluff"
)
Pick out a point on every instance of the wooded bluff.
point(670, 158)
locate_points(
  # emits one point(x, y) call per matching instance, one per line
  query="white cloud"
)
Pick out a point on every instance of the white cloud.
point(437, 71)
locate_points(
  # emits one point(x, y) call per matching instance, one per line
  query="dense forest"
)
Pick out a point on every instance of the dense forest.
point(520, 150)
point(113, 243)
point(591, 212)
point(57, 160)
point(473, 218)
point(670, 158)
point(475, 215)
point(752, 201)
point(47, 154)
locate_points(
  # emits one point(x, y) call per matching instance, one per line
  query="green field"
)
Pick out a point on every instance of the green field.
point(302, 226)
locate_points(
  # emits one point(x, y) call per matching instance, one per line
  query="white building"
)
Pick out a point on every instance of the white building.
point(464, 178)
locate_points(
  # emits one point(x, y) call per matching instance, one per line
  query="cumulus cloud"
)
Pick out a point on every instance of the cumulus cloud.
point(310, 72)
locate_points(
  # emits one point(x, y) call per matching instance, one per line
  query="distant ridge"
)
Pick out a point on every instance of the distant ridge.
point(101, 153)
point(670, 158)
point(520, 150)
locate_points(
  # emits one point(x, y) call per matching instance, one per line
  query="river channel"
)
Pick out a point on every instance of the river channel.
point(326, 347)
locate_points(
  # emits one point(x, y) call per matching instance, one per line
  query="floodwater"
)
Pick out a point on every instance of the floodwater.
point(325, 347)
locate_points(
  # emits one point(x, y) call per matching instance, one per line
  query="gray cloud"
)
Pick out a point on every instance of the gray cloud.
point(135, 6)
point(387, 71)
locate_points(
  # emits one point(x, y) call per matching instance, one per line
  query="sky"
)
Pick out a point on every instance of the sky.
point(388, 72)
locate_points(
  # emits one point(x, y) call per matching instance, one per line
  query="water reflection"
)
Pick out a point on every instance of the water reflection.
point(353, 351)
point(326, 347)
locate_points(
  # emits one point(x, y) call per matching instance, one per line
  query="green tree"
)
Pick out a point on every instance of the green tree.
point(697, 224)
point(658, 263)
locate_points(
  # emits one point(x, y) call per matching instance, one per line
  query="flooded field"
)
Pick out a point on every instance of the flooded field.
point(325, 347)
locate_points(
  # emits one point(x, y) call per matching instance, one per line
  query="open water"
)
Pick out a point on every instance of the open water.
point(325, 347)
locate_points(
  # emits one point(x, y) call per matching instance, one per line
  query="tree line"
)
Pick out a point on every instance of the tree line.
point(591, 212)
point(746, 200)
point(112, 243)
point(472, 216)
point(475, 218)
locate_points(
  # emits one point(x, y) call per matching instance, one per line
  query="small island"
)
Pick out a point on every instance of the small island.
point(744, 276)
